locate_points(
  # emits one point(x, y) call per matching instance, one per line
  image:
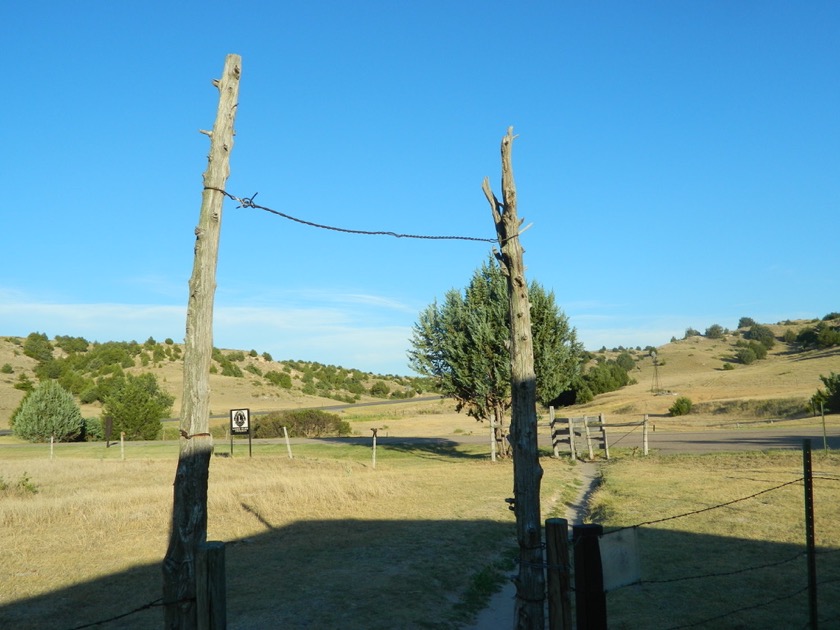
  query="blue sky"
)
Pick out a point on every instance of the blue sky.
point(679, 161)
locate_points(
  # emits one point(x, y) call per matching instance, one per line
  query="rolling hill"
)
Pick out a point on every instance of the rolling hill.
point(692, 367)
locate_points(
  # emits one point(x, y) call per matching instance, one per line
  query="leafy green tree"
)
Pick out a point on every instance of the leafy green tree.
point(746, 322)
point(746, 355)
point(137, 405)
point(691, 332)
point(463, 344)
point(48, 411)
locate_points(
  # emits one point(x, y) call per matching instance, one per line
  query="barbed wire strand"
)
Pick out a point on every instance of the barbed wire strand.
point(248, 202)
point(739, 610)
point(768, 565)
point(706, 509)
point(152, 604)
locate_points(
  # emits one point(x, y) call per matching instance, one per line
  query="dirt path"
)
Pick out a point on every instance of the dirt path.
point(499, 613)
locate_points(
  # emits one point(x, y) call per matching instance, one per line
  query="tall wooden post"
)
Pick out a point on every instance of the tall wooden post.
point(189, 511)
point(527, 472)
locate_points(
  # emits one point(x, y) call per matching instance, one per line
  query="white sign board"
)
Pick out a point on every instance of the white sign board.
point(240, 421)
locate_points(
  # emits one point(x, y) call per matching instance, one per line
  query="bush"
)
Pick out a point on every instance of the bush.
point(728, 366)
point(681, 407)
point(761, 334)
point(832, 392)
point(7, 368)
point(715, 331)
point(691, 332)
point(746, 356)
point(94, 431)
point(38, 347)
point(48, 411)
point(307, 423)
point(137, 405)
point(281, 379)
point(380, 389)
point(746, 322)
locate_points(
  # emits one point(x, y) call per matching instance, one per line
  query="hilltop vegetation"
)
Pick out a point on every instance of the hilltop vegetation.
point(93, 371)
point(794, 361)
point(797, 358)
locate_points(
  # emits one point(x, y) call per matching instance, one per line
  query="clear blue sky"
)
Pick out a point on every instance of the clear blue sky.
point(680, 162)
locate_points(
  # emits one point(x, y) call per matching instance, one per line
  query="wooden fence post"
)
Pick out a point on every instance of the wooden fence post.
point(572, 439)
point(645, 435)
point(551, 419)
point(590, 599)
point(604, 435)
point(188, 526)
point(374, 447)
point(288, 444)
point(529, 611)
point(557, 558)
point(588, 437)
point(211, 588)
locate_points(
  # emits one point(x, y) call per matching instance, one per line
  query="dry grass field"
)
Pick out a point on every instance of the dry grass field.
point(740, 565)
point(319, 541)
point(324, 540)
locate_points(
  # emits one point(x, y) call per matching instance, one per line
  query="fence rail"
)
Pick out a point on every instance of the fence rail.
point(573, 432)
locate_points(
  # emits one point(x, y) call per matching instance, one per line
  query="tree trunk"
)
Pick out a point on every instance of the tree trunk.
point(527, 472)
point(189, 512)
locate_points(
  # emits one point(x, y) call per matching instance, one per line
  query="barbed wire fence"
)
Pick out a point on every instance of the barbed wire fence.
point(740, 572)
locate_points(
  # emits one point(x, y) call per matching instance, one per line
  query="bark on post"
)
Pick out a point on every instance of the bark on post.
point(188, 528)
point(527, 472)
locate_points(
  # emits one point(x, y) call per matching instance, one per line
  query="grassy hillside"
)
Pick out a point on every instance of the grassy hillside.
point(692, 367)
point(695, 367)
point(259, 383)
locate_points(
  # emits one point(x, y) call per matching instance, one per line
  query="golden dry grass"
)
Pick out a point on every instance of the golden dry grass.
point(321, 540)
point(725, 544)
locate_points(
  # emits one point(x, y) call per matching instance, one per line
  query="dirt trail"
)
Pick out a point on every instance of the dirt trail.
point(499, 613)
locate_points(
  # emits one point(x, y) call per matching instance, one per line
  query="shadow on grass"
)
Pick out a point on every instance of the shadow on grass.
point(701, 581)
point(348, 574)
point(385, 574)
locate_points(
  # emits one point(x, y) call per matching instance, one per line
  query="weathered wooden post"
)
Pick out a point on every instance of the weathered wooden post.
point(590, 598)
point(374, 447)
point(557, 560)
point(211, 600)
point(572, 448)
point(554, 441)
point(188, 529)
point(645, 435)
point(527, 472)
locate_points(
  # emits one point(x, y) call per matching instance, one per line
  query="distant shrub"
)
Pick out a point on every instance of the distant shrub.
point(7, 368)
point(789, 336)
point(761, 334)
point(380, 389)
point(307, 423)
point(691, 332)
point(48, 411)
point(625, 361)
point(832, 392)
point(281, 379)
point(728, 366)
point(833, 315)
point(93, 431)
point(746, 356)
point(746, 322)
point(38, 347)
point(266, 356)
point(715, 331)
point(681, 407)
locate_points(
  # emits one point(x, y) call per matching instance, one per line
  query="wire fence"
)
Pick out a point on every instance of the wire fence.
point(742, 573)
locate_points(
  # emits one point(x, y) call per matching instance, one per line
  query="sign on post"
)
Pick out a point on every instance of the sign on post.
point(240, 424)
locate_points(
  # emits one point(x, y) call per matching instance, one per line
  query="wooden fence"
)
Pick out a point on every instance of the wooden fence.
point(577, 433)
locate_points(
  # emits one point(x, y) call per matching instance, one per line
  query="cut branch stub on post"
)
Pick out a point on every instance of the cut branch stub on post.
point(188, 530)
point(530, 582)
